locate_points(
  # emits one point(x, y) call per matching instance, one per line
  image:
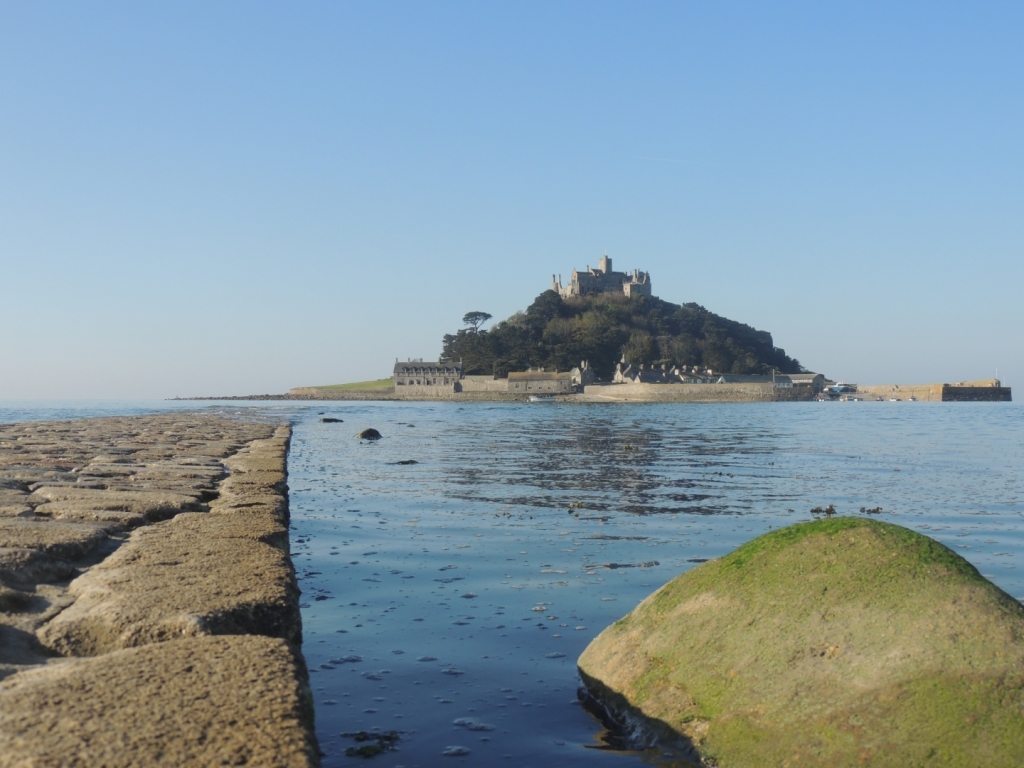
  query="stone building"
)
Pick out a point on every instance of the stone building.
point(583, 375)
point(420, 378)
point(815, 381)
point(603, 280)
point(537, 382)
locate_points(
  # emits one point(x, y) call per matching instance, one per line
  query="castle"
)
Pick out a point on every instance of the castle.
point(604, 280)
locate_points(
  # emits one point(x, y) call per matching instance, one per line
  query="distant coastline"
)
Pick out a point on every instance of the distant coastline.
point(989, 390)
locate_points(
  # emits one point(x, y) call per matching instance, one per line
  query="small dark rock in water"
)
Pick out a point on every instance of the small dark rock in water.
point(472, 724)
point(455, 752)
point(329, 420)
point(406, 462)
point(369, 434)
point(381, 742)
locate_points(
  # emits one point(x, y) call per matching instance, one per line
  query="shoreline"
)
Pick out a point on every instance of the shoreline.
point(982, 391)
point(684, 393)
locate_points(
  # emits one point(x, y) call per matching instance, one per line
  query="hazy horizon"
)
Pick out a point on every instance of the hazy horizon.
point(206, 199)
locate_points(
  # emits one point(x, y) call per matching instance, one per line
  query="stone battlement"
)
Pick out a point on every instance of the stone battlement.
point(603, 280)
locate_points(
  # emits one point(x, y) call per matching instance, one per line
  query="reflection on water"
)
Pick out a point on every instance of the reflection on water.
point(448, 600)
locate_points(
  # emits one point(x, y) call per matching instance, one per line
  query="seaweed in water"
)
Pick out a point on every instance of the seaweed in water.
point(372, 743)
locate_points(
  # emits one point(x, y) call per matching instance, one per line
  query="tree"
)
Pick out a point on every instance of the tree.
point(639, 348)
point(475, 320)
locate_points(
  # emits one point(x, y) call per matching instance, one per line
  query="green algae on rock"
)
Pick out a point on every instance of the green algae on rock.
point(841, 642)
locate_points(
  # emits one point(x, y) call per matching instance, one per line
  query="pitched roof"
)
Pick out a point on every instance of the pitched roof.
point(413, 365)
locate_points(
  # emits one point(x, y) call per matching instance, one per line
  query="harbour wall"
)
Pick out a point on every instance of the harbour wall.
point(148, 603)
point(594, 393)
point(985, 390)
point(420, 394)
point(694, 393)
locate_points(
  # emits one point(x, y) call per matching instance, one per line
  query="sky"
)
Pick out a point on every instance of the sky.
point(201, 199)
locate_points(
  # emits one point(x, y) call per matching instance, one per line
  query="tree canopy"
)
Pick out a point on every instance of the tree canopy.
point(558, 333)
point(475, 319)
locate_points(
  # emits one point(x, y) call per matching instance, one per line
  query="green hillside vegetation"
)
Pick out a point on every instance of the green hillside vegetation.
point(558, 333)
point(375, 384)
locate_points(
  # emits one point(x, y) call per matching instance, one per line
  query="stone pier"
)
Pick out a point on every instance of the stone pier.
point(148, 604)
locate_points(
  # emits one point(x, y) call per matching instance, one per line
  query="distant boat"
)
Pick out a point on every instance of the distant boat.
point(912, 399)
point(894, 400)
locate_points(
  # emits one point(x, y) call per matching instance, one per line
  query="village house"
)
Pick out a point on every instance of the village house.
point(815, 381)
point(583, 375)
point(420, 378)
point(627, 373)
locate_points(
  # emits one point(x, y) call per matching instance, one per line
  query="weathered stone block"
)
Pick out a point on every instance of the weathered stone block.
point(203, 701)
point(29, 566)
point(67, 541)
point(198, 574)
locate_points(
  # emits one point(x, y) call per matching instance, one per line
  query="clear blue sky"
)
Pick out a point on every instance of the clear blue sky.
point(234, 198)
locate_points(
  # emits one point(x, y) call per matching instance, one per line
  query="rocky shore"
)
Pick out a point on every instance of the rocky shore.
point(148, 604)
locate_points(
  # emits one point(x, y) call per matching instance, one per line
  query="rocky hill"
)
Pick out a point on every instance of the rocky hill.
point(558, 333)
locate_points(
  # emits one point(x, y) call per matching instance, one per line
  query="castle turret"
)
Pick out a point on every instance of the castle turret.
point(605, 264)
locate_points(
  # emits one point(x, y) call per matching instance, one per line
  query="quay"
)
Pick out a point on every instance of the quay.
point(149, 611)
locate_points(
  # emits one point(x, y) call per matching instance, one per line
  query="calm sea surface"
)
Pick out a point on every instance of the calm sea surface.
point(448, 599)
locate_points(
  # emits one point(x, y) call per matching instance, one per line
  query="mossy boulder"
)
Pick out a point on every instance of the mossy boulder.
point(840, 642)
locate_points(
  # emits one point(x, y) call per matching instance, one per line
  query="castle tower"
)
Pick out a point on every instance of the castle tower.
point(605, 264)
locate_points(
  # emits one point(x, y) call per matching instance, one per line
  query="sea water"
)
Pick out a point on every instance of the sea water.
point(454, 570)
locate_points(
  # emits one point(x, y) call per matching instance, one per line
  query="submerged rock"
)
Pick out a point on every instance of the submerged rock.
point(839, 642)
point(330, 420)
point(369, 434)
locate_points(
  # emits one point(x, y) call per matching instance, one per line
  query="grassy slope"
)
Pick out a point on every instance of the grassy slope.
point(838, 642)
point(376, 384)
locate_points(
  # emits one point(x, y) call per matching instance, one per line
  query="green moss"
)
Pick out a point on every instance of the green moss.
point(920, 550)
point(832, 642)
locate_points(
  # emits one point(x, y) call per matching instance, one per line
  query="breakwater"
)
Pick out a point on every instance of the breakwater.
point(987, 391)
point(148, 604)
point(694, 393)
